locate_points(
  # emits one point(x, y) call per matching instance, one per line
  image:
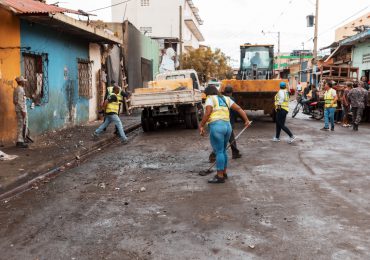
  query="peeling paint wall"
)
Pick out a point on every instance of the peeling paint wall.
point(9, 70)
point(95, 56)
point(64, 107)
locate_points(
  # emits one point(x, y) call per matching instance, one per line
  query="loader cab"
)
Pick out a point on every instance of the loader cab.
point(256, 62)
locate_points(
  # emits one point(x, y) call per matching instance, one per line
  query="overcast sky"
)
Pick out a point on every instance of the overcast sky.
point(227, 24)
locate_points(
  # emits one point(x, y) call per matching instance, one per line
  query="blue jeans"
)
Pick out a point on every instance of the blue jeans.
point(112, 119)
point(329, 115)
point(220, 132)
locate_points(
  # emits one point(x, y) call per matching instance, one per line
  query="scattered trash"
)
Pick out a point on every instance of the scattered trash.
point(142, 189)
point(7, 157)
point(102, 185)
point(6, 201)
point(78, 157)
point(126, 203)
point(99, 149)
point(68, 164)
point(251, 246)
point(21, 169)
point(62, 168)
point(117, 188)
point(173, 231)
point(228, 238)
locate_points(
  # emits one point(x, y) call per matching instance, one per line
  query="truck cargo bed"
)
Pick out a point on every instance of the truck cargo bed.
point(141, 100)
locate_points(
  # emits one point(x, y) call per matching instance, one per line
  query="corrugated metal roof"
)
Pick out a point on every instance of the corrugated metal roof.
point(33, 7)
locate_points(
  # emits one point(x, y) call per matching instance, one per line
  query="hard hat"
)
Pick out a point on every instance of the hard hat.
point(282, 85)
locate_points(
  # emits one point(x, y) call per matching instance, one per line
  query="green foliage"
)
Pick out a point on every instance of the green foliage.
point(209, 64)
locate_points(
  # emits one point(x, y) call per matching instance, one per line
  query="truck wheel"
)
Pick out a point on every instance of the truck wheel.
point(144, 123)
point(194, 120)
point(188, 123)
point(151, 124)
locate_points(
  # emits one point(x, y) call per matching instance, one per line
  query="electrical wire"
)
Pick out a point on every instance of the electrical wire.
point(335, 26)
point(120, 3)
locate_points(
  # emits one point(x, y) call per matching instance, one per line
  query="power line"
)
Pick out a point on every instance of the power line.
point(282, 13)
point(345, 20)
point(120, 3)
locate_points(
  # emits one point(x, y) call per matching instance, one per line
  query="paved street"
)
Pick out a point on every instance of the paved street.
point(309, 200)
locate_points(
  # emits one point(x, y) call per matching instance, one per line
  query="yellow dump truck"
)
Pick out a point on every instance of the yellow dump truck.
point(174, 97)
point(255, 88)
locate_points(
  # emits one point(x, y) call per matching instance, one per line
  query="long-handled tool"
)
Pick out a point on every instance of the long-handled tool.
point(209, 170)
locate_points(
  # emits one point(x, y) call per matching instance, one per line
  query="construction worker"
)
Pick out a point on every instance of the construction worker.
point(228, 91)
point(111, 109)
point(120, 96)
point(19, 100)
point(282, 110)
point(330, 97)
point(217, 116)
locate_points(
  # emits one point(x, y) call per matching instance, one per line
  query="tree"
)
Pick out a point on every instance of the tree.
point(207, 63)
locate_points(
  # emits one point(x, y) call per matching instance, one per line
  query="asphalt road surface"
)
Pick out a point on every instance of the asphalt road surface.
point(145, 200)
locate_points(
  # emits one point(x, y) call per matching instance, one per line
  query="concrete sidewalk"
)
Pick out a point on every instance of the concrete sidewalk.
point(53, 150)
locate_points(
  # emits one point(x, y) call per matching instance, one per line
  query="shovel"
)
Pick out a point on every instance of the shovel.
point(209, 170)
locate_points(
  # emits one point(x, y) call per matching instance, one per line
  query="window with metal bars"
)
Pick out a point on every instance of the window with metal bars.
point(35, 67)
point(84, 78)
point(144, 2)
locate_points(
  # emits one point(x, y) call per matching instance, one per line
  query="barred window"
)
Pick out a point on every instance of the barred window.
point(84, 78)
point(144, 2)
point(36, 72)
point(146, 30)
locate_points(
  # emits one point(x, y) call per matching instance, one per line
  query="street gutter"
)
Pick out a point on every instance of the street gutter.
point(25, 181)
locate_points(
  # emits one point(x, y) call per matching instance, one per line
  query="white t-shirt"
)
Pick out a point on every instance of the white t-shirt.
point(209, 101)
point(299, 87)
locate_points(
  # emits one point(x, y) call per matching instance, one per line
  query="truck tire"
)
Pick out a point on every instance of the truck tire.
point(188, 122)
point(194, 120)
point(151, 124)
point(144, 123)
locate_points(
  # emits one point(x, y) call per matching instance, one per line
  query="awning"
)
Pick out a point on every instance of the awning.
point(34, 7)
point(194, 29)
point(74, 27)
point(356, 38)
point(333, 53)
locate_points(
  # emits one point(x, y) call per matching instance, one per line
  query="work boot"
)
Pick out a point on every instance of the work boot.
point(212, 157)
point(124, 142)
point(216, 179)
point(236, 156)
point(355, 127)
point(21, 145)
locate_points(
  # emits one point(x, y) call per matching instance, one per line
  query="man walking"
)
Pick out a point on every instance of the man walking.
point(19, 100)
point(330, 98)
point(282, 109)
point(111, 107)
point(358, 100)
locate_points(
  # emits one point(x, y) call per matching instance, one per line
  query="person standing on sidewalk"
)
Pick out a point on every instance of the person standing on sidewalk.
point(19, 100)
point(233, 116)
point(111, 107)
point(358, 100)
point(282, 110)
point(217, 115)
point(330, 97)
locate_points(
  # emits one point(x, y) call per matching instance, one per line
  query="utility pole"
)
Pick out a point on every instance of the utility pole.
point(180, 30)
point(316, 32)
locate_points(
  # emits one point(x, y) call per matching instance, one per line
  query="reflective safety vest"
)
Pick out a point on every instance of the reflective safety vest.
point(112, 107)
point(110, 92)
point(329, 97)
point(220, 112)
point(285, 104)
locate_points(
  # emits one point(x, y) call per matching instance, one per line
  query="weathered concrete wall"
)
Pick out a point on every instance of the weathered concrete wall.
point(359, 51)
point(64, 107)
point(9, 70)
point(95, 56)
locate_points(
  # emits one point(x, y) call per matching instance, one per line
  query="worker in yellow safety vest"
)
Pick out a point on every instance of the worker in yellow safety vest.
point(331, 98)
point(217, 115)
point(282, 110)
point(111, 108)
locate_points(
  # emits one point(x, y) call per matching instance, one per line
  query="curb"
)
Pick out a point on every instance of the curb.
point(49, 169)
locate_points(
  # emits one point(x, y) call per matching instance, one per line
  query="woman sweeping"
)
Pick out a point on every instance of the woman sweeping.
point(217, 116)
